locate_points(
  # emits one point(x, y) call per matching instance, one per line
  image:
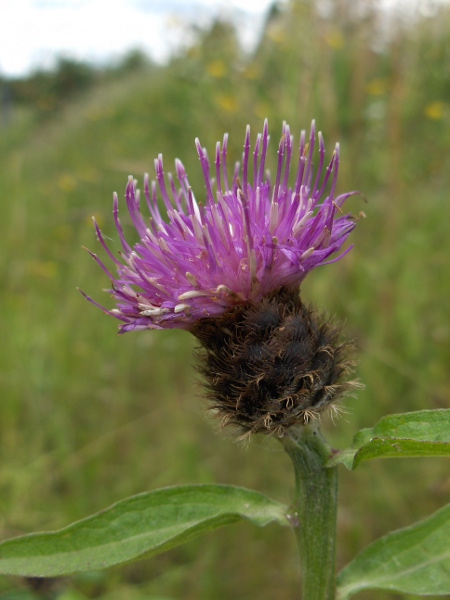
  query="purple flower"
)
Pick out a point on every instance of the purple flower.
point(247, 237)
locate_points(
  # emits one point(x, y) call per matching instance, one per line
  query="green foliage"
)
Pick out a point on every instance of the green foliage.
point(45, 90)
point(414, 560)
point(88, 417)
point(143, 525)
point(424, 433)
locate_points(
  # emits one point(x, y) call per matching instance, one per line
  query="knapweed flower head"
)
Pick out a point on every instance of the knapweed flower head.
point(228, 268)
point(247, 237)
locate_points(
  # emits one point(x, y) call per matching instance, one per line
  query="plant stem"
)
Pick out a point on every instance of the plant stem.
point(314, 511)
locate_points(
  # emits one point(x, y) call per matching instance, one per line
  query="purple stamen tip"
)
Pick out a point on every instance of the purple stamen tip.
point(245, 241)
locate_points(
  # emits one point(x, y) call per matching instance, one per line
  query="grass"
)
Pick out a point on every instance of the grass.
point(88, 417)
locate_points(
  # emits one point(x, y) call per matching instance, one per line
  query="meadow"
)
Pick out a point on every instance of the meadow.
point(88, 417)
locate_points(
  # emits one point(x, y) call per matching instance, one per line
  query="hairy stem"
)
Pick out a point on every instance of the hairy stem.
point(314, 511)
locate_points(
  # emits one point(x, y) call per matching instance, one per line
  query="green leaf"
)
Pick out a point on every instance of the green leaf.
point(421, 433)
point(140, 526)
point(414, 560)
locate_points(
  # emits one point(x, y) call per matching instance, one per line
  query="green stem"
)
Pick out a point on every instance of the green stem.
point(314, 511)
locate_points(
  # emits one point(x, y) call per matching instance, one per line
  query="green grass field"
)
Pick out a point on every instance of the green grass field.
point(88, 417)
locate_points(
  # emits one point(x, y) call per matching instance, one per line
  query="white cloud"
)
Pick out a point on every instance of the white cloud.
point(33, 32)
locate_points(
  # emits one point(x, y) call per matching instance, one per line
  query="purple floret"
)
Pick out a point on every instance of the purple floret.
point(242, 242)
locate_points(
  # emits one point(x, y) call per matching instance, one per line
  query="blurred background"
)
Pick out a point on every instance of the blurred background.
point(88, 417)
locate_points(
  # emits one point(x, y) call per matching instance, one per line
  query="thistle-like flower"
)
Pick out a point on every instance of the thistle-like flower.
point(228, 270)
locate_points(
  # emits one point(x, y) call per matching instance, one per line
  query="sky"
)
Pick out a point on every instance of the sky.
point(33, 32)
